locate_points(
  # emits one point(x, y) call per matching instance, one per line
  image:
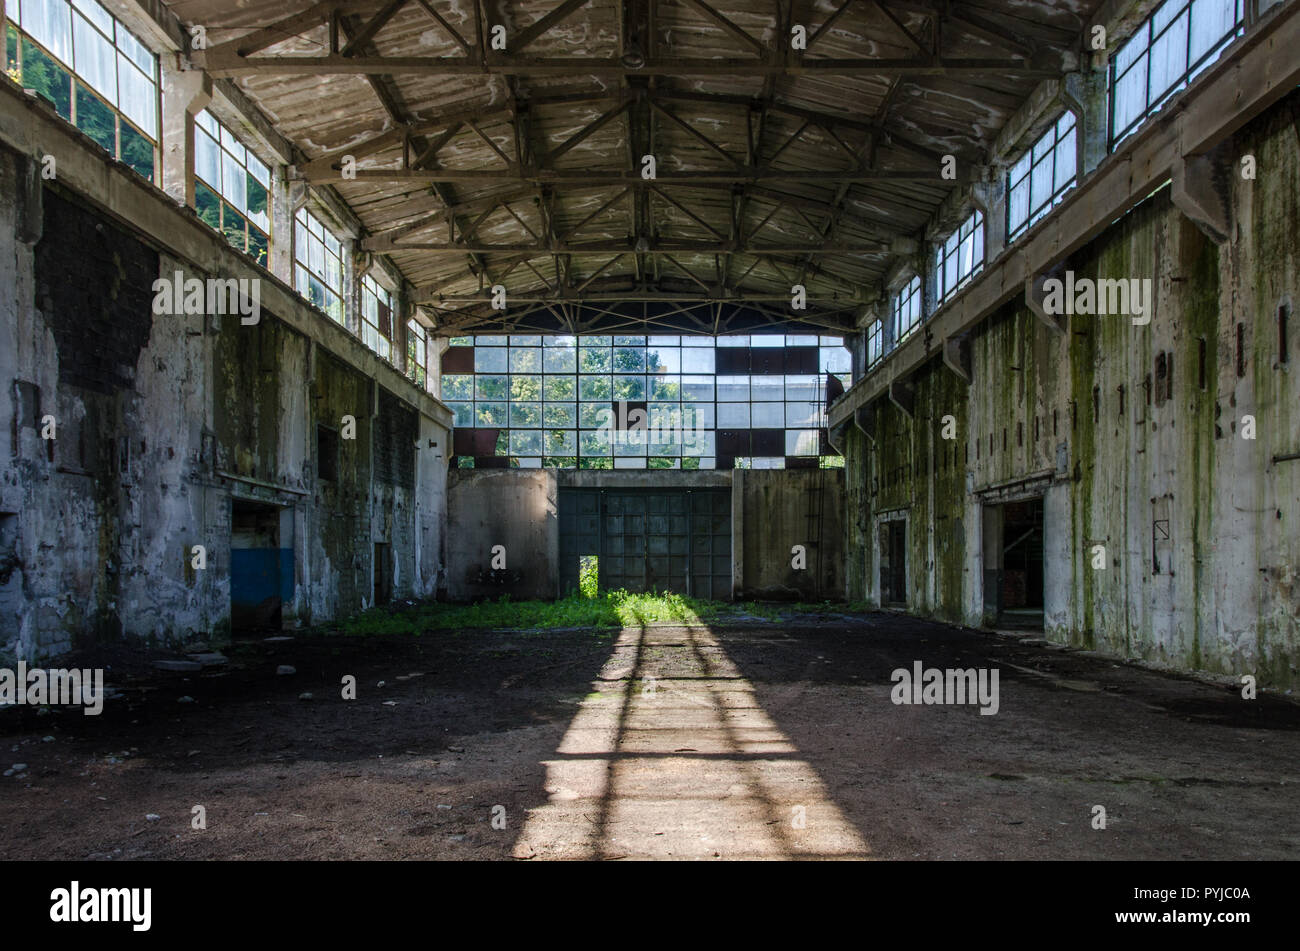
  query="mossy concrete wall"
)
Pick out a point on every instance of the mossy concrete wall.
point(1135, 438)
point(165, 422)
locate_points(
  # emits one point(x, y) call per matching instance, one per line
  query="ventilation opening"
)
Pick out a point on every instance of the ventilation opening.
point(383, 570)
point(11, 568)
point(327, 454)
point(1283, 315)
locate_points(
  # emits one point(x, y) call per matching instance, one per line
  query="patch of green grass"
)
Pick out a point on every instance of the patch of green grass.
point(609, 609)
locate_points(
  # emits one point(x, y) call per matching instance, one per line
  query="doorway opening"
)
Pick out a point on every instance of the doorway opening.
point(893, 563)
point(261, 571)
point(383, 589)
point(589, 575)
point(1013, 564)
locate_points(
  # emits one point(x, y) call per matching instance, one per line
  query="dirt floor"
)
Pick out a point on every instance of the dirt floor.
point(771, 740)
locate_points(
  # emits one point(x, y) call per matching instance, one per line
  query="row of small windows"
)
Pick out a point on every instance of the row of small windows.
point(92, 70)
point(318, 264)
point(101, 78)
point(958, 258)
point(1039, 181)
point(231, 188)
point(562, 401)
point(1180, 39)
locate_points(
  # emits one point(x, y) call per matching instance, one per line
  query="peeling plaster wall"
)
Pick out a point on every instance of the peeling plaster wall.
point(771, 511)
point(1225, 597)
point(513, 508)
point(783, 508)
point(162, 423)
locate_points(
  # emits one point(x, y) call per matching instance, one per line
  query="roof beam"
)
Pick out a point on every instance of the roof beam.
point(665, 246)
point(729, 25)
point(373, 26)
point(219, 63)
point(611, 177)
point(536, 29)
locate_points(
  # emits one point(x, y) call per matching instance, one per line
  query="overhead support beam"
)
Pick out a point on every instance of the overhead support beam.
point(1200, 191)
point(657, 246)
point(1035, 300)
point(224, 61)
point(957, 357)
point(536, 29)
point(865, 420)
point(595, 177)
point(903, 395)
point(630, 295)
point(1255, 72)
point(372, 26)
point(873, 131)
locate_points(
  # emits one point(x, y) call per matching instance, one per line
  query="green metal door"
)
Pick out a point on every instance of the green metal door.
point(648, 539)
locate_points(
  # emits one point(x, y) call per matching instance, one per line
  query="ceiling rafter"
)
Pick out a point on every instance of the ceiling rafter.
point(839, 196)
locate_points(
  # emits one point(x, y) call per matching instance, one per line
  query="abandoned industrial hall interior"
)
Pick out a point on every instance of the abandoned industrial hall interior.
point(649, 429)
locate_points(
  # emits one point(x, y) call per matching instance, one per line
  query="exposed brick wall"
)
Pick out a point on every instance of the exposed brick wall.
point(395, 435)
point(94, 285)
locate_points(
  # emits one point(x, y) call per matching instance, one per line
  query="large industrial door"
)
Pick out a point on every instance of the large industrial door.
point(648, 539)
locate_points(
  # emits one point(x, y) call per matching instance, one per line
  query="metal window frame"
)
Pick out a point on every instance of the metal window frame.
point(1150, 108)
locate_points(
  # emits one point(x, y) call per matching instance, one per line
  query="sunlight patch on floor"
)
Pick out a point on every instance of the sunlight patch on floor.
point(676, 759)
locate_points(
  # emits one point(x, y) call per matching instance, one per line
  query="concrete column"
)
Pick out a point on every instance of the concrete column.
point(351, 286)
point(436, 346)
point(285, 199)
point(857, 345)
point(929, 280)
point(185, 93)
point(401, 312)
point(991, 198)
point(737, 532)
point(1084, 93)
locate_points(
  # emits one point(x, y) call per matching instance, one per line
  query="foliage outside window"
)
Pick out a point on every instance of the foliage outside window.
point(960, 257)
point(318, 264)
point(907, 310)
point(377, 317)
point(875, 343)
point(92, 70)
point(231, 188)
point(416, 350)
point(1179, 40)
point(551, 398)
point(1042, 176)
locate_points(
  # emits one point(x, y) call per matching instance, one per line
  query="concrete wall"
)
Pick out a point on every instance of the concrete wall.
point(516, 508)
point(782, 508)
point(512, 508)
point(1222, 592)
point(162, 421)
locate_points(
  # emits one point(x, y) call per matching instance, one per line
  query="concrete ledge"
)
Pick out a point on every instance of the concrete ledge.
point(1257, 71)
point(31, 128)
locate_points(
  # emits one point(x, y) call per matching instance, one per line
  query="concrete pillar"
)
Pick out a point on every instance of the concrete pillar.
point(437, 345)
point(857, 346)
point(929, 280)
point(884, 312)
point(737, 532)
point(285, 200)
point(351, 285)
point(1084, 94)
point(991, 198)
point(185, 93)
point(401, 312)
